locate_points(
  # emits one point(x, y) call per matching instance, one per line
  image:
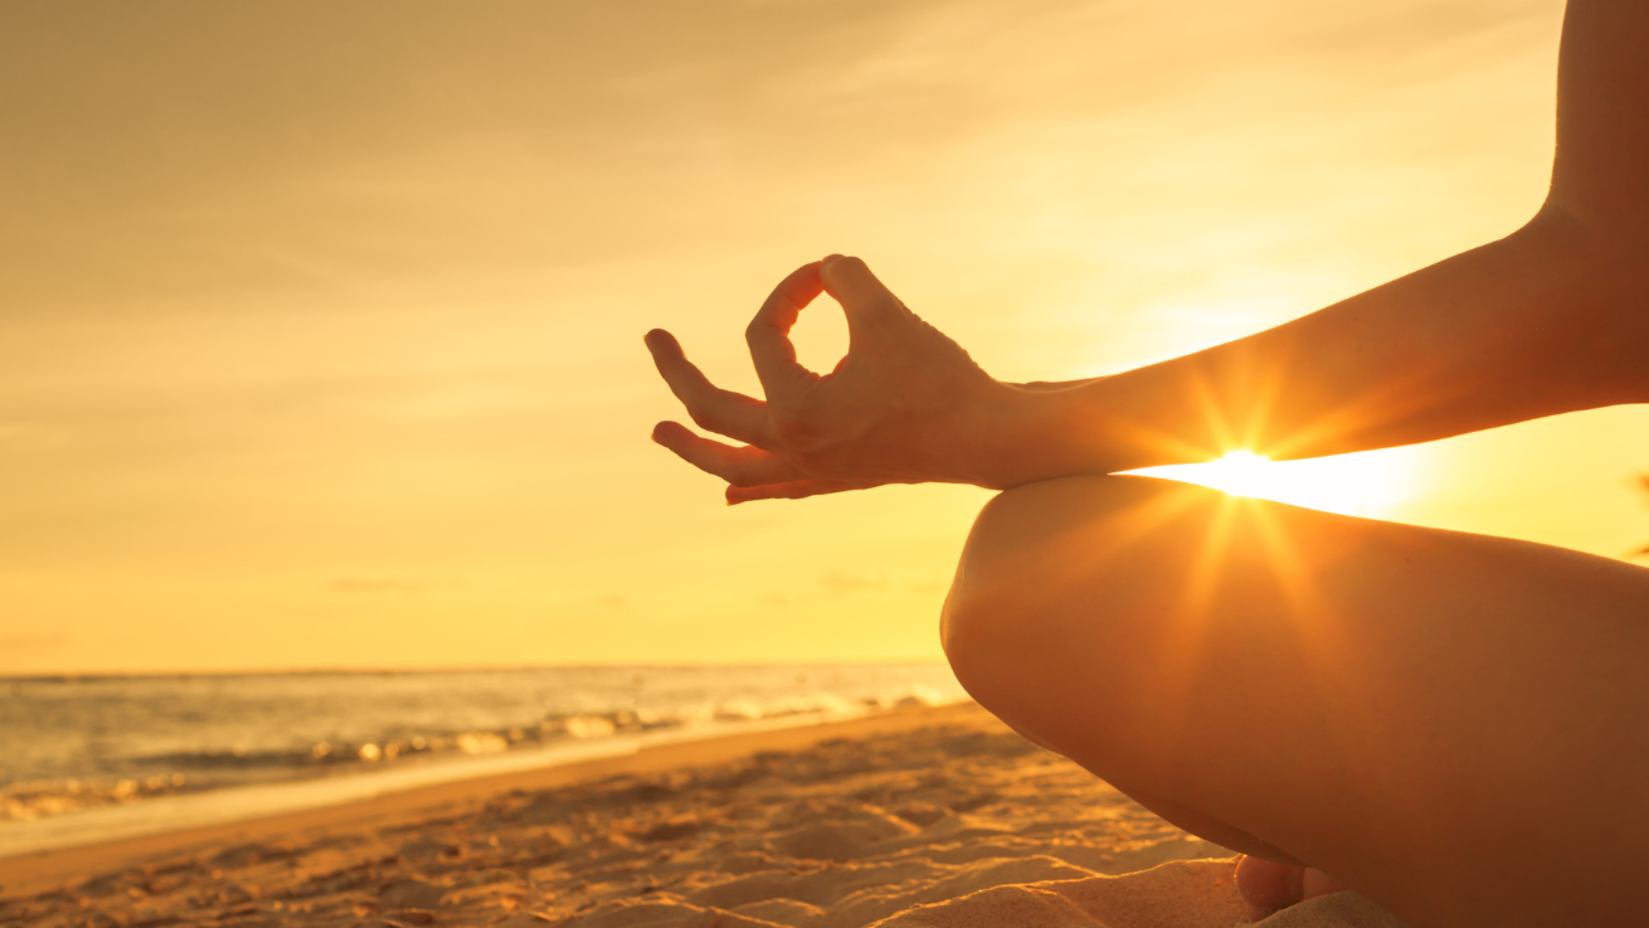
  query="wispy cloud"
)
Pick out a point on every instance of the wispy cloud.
point(390, 585)
point(34, 642)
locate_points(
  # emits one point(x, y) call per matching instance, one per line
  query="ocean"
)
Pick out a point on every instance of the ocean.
point(97, 757)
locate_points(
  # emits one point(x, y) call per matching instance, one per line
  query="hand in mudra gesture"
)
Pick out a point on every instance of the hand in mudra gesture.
point(905, 405)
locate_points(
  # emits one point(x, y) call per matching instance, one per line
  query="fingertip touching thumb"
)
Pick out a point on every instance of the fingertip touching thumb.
point(849, 281)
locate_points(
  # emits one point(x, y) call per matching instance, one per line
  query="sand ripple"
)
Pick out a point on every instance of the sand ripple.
point(955, 825)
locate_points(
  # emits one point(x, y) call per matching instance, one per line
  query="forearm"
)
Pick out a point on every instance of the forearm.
point(1552, 319)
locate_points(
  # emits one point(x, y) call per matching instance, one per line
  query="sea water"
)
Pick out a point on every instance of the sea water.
point(99, 757)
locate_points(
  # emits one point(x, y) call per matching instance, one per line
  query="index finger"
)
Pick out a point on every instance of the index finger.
point(769, 333)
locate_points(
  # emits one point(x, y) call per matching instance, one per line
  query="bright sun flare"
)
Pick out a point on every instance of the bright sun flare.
point(1364, 484)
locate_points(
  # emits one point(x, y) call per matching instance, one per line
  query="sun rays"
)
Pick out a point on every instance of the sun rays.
point(1250, 565)
point(1366, 484)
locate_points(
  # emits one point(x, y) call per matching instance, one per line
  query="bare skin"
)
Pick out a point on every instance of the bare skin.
point(1451, 724)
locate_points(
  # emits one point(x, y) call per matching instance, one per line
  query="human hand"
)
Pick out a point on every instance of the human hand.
point(905, 405)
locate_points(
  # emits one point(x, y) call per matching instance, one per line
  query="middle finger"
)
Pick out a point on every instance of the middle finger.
point(722, 411)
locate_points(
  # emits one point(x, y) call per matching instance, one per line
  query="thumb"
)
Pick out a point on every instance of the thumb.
point(865, 300)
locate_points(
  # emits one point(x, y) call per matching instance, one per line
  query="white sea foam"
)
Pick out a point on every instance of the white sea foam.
point(107, 756)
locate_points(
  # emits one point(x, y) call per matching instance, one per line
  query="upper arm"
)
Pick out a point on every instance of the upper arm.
point(1601, 172)
point(1599, 200)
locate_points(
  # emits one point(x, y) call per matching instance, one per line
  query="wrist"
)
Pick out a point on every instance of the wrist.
point(1023, 433)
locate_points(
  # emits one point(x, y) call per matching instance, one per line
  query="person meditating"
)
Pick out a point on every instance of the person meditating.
point(1454, 725)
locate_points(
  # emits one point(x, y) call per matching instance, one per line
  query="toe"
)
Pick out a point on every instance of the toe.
point(1317, 883)
point(1269, 886)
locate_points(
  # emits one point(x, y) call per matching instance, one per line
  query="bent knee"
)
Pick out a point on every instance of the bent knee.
point(1048, 555)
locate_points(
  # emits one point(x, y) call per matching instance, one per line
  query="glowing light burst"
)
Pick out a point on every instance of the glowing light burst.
point(1368, 483)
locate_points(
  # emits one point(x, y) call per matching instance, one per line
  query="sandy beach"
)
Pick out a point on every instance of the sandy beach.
point(930, 817)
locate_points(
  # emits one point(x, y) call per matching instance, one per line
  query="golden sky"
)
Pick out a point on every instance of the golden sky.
point(322, 322)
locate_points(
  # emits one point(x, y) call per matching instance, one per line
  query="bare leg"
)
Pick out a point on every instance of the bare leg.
point(1455, 725)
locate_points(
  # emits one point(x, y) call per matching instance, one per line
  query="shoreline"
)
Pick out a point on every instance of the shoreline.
point(102, 824)
point(934, 817)
point(35, 869)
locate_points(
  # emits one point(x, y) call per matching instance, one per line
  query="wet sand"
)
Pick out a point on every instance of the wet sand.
point(931, 817)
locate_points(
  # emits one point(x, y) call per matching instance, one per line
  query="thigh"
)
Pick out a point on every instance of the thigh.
point(1446, 721)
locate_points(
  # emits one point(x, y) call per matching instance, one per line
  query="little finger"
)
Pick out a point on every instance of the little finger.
point(795, 489)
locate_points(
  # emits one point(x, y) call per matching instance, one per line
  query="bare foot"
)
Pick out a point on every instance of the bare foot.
point(1317, 883)
point(1269, 886)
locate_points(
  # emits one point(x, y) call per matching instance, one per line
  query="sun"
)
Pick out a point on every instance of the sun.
point(1368, 483)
